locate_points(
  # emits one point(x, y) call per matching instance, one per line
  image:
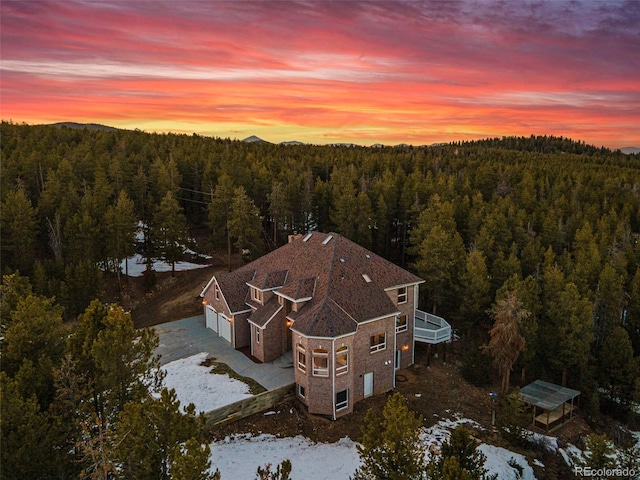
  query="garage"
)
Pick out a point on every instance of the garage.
point(224, 327)
point(211, 318)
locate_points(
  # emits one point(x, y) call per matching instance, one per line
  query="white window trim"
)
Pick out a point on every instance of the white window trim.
point(256, 295)
point(404, 327)
point(216, 291)
point(403, 295)
point(342, 369)
point(302, 391)
point(344, 404)
point(379, 346)
point(301, 366)
point(319, 372)
point(257, 335)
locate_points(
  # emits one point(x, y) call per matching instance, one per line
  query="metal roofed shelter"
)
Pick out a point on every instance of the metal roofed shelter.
point(557, 403)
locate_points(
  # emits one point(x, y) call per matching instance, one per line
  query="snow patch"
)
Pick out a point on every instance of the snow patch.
point(241, 455)
point(195, 384)
point(503, 462)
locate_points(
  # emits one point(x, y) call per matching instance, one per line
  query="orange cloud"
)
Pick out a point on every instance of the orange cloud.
point(364, 72)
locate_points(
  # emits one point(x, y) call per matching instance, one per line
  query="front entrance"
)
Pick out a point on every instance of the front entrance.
point(368, 384)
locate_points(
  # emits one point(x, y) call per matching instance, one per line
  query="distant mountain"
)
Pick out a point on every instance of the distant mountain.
point(377, 145)
point(84, 126)
point(254, 139)
point(630, 150)
point(292, 142)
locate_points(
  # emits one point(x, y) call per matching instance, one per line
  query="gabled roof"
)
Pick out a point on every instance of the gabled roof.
point(331, 273)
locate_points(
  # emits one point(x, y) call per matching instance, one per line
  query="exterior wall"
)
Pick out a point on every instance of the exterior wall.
point(257, 348)
point(404, 340)
point(320, 392)
point(380, 362)
point(270, 346)
point(241, 331)
point(218, 305)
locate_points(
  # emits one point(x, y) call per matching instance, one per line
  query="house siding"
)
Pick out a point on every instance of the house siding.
point(405, 339)
point(380, 362)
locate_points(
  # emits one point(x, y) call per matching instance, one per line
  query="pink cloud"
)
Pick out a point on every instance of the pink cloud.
point(379, 68)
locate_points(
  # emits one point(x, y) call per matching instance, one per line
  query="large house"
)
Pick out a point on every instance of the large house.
point(349, 317)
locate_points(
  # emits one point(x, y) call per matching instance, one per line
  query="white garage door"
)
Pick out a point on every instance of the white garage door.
point(224, 328)
point(211, 318)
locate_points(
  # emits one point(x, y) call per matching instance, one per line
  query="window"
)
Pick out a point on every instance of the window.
point(256, 295)
point(301, 391)
point(257, 335)
point(342, 360)
point(378, 342)
point(401, 323)
point(402, 295)
point(320, 362)
point(342, 399)
point(302, 359)
point(216, 292)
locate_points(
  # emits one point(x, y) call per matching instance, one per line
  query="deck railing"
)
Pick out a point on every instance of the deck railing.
point(429, 328)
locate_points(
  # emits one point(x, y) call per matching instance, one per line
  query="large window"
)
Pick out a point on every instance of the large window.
point(320, 362)
point(401, 323)
point(342, 360)
point(402, 295)
point(378, 342)
point(302, 359)
point(342, 399)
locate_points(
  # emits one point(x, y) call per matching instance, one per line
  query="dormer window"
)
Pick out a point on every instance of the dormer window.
point(256, 295)
point(402, 295)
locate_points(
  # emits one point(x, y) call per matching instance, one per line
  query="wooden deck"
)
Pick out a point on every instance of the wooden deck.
point(430, 328)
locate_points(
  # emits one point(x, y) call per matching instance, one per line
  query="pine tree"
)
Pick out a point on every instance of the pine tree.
point(282, 472)
point(506, 340)
point(191, 462)
point(460, 459)
point(391, 447)
point(617, 367)
point(169, 231)
point(148, 432)
point(18, 231)
point(244, 224)
point(121, 225)
point(220, 212)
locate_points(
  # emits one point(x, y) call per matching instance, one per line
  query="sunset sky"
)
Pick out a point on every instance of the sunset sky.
point(324, 72)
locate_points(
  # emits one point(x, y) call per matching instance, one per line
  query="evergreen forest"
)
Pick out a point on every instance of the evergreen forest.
point(545, 225)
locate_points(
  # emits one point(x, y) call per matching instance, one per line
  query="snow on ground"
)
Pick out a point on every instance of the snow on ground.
point(503, 462)
point(240, 456)
point(195, 384)
point(137, 266)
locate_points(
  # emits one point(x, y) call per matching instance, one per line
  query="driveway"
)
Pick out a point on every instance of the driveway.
point(189, 336)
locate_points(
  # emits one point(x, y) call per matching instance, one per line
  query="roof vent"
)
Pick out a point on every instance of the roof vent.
point(366, 278)
point(368, 256)
point(307, 237)
point(342, 260)
point(327, 240)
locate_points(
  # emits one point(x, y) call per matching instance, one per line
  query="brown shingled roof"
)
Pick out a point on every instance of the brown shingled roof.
point(331, 271)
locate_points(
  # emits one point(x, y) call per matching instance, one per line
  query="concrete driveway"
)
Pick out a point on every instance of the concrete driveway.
point(189, 336)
